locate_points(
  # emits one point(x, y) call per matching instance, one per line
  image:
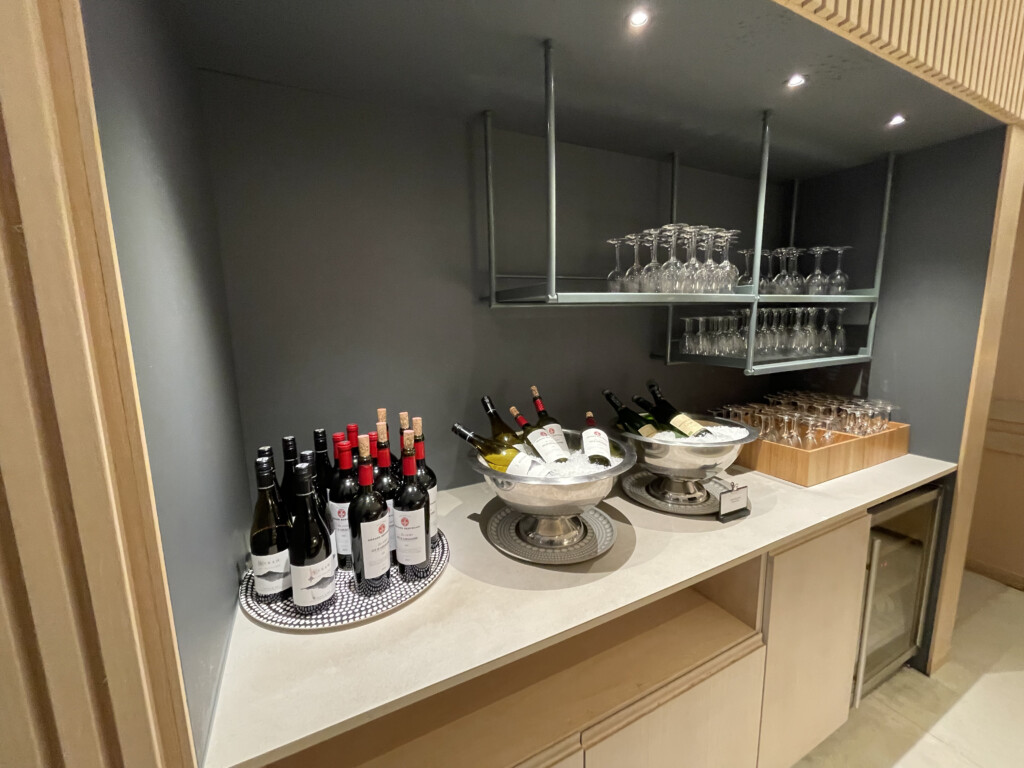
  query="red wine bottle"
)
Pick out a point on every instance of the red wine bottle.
point(290, 452)
point(374, 455)
point(426, 476)
point(385, 483)
point(323, 467)
point(265, 451)
point(353, 438)
point(307, 457)
point(268, 538)
point(368, 528)
point(344, 488)
point(310, 549)
point(551, 425)
point(396, 467)
point(412, 517)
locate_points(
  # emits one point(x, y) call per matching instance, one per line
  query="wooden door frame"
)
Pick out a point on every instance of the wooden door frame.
point(67, 362)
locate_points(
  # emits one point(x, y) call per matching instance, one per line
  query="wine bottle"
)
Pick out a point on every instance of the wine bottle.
point(385, 483)
point(501, 431)
point(403, 423)
point(368, 528)
point(323, 467)
point(353, 436)
point(344, 488)
point(310, 549)
point(630, 420)
point(551, 425)
point(425, 475)
point(596, 445)
point(497, 456)
point(374, 455)
point(268, 538)
point(666, 412)
point(265, 451)
point(543, 443)
point(396, 468)
point(646, 406)
point(290, 452)
point(412, 516)
point(308, 457)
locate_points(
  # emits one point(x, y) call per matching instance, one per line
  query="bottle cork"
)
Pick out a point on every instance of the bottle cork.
point(382, 414)
point(364, 446)
point(589, 415)
point(514, 411)
point(417, 426)
point(382, 431)
point(407, 439)
point(403, 420)
point(534, 391)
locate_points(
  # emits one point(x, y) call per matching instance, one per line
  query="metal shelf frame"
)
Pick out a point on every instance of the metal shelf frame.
point(542, 290)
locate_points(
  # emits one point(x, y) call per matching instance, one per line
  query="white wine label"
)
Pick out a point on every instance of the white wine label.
point(555, 431)
point(432, 496)
point(391, 525)
point(520, 465)
point(595, 443)
point(342, 535)
point(539, 469)
point(375, 539)
point(271, 573)
point(411, 537)
point(547, 446)
point(648, 430)
point(313, 584)
point(685, 424)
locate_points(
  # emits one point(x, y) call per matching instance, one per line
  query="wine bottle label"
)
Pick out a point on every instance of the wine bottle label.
point(546, 445)
point(342, 535)
point(539, 469)
point(556, 432)
point(313, 584)
point(685, 424)
point(411, 536)
point(595, 443)
point(648, 430)
point(391, 525)
point(432, 496)
point(376, 547)
point(520, 465)
point(271, 573)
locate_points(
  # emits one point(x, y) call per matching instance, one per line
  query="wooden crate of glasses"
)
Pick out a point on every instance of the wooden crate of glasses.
point(846, 454)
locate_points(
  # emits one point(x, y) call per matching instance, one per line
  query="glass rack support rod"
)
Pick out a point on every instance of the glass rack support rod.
point(492, 263)
point(882, 237)
point(549, 108)
point(792, 215)
point(762, 191)
point(673, 205)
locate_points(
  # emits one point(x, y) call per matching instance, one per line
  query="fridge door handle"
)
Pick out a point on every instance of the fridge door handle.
point(865, 625)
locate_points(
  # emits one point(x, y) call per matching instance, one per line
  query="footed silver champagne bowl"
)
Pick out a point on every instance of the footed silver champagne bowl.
point(673, 473)
point(554, 520)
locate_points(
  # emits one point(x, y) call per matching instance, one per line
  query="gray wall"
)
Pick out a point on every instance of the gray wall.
point(174, 292)
point(352, 239)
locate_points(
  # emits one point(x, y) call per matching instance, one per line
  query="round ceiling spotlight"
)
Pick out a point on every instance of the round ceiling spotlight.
point(897, 119)
point(795, 81)
point(639, 18)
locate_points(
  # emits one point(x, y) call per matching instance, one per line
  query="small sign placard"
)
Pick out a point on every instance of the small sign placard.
point(732, 502)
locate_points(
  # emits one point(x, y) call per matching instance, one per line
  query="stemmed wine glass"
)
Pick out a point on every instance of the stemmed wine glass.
point(824, 335)
point(817, 283)
point(631, 279)
point(692, 266)
point(779, 283)
point(747, 277)
point(839, 280)
point(672, 271)
point(650, 276)
point(615, 276)
point(839, 340)
point(705, 277)
point(764, 285)
point(728, 275)
point(797, 284)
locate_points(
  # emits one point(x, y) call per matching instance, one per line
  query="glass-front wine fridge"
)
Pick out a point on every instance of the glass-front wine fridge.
point(901, 556)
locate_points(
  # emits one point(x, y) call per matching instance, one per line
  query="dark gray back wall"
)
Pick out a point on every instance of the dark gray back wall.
point(173, 285)
point(352, 243)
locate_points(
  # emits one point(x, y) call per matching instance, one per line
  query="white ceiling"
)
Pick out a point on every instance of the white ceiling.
point(694, 80)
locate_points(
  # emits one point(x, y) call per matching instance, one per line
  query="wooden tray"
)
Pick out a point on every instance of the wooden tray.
point(847, 454)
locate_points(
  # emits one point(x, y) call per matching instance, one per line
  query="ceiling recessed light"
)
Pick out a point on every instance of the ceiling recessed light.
point(639, 18)
point(795, 81)
point(897, 119)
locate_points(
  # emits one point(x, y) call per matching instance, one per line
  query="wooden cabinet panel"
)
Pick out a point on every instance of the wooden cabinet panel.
point(714, 724)
point(815, 592)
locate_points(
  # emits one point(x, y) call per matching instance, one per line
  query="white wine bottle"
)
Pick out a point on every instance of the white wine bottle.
point(629, 420)
point(550, 424)
point(543, 443)
point(498, 457)
point(596, 445)
point(665, 412)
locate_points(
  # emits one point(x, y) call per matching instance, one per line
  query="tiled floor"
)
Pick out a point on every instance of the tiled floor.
point(970, 714)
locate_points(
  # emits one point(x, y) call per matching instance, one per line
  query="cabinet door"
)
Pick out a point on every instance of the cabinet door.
point(816, 591)
point(711, 725)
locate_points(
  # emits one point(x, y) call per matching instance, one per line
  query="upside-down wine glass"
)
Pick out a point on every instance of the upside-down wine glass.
point(650, 276)
point(839, 340)
point(747, 277)
point(615, 276)
point(672, 271)
point(631, 279)
point(817, 283)
point(839, 280)
point(692, 266)
point(728, 275)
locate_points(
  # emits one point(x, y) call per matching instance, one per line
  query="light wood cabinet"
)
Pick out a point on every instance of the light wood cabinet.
point(712, 724)
point(813, 619)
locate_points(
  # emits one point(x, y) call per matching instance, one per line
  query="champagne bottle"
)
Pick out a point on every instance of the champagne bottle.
point(265, 451)
point(385, 483)
point(268, 538)
point(291, 457)
point(307, 457)
point(310, 550)
point(551, 425)
point(500, 431)
point(344, 488)
point(497, 456)
point(322, 466)
point(368, 528)
point(396, 468)
point(543, 443)
point(412, 516)
point(669, 414)
point(630, 420)
point(425, 475)
point(596, 445)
